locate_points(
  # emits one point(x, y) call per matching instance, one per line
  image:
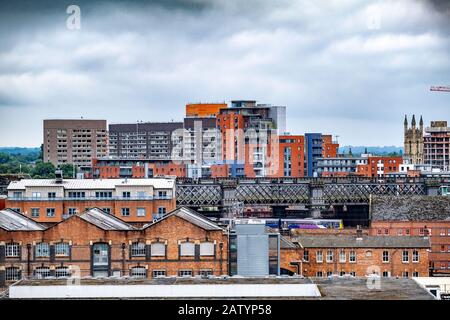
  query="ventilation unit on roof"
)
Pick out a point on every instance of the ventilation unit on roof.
point(58, 176)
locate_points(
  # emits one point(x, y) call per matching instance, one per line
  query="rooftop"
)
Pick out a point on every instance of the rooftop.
point(73, 184)
point(351, 241)
point(11, 220)
point(104, 220)
point(419, 208)
point(190, 216)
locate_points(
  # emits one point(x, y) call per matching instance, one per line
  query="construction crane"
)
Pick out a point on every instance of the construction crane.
point(440, 88)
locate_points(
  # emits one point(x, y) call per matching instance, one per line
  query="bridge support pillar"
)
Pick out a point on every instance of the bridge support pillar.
point(316, 200)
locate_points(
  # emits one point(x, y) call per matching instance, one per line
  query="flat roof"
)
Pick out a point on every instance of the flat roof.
point(74, 184)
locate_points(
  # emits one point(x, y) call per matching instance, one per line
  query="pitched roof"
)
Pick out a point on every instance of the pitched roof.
point(190, 216)
point(420, 208)
point(73, 184)
point(11, 220)
point(350, 241)
point(105, 220)
point(285, 243)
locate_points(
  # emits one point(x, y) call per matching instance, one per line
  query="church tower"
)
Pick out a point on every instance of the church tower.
point(413, 140)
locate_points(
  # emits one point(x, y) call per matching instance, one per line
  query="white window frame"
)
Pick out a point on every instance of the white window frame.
point(385, 254)
point(405, 253)
point(138, 272)
point(42, 250)
point(62, 249)
point(33, 214)
point(342, 256)
point(319, 256)
point(330, 256)
point(138, 249)
point(185, 273)
point(207, 246)
point(62, 272)
point(42, 272)
point(415, 256)
point(12, 274)
point(352, 256)
point(159, 273)
point(12, 250)
point(141, 211)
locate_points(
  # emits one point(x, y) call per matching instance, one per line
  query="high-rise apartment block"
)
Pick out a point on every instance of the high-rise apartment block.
point(74, 141)
point(144, 140)
point(436, 145)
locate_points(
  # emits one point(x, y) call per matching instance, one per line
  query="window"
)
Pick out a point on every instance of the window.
point(415, 256)
point(138, 272)
point(162, 194)
point(407, 231)
point(187, 249)
point(42, 272)
point(137, 249)
point(36, 194)
point(385, 256)
point(103, 194)
point(330, 255)
point(12, 274)
point(400, 232)
point(353, 273)
point(342, 273)
point(42, 250)
point(306, 256)
point(415, 274)
point(405, 274)
point(342, 256)
point(442, 232)
point(126, 194)
point(158, 249)
point(319, 256)
point(62, 249)
point(421, 232)
point(76, 194)
point(207, 249)
point(319, 274)
point(141, 212)
point(50, 212)
point(12, 249)
point(35, 212)
point(185, 273)
point(352, 256)
point(379, 232)
point(385, 274)
point(329, 273)
point(386, 231)
point(62, 272)
point(125, 212)
point(205, 272)
point(142, 194)
point(72, 211)
point(52, 195)
point(405, 256)
point(107, 210)
point(159, 273)
point(17, 194)
point(161, 210)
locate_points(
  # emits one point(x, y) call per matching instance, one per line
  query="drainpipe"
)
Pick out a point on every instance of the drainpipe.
point(221, 257)
point(123, 258)
point(28, 259)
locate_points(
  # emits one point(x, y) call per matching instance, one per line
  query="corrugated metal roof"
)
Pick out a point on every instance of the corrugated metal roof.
point(157, 183)
point(190, 216)
point(346, 241)
point(11, 220)
point(105, 220)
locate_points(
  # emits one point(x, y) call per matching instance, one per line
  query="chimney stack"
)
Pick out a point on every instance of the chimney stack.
point(359, 233)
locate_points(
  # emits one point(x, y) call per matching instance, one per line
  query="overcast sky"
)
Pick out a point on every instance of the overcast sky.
point(349, 68)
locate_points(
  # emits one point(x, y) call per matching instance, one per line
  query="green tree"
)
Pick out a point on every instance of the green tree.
point(45, 170)
point(67, 170)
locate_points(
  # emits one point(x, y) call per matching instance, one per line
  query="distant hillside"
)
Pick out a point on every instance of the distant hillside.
point(357, 150)
point(19, 150)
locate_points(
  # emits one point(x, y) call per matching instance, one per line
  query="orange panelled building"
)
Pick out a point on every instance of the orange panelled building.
point(204, 109)
point(329, 148)
point(290, 157)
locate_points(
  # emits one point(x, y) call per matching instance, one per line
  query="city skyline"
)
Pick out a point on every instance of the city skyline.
point(356, 73)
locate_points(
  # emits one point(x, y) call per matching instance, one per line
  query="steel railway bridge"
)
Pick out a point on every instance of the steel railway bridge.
point(346, 198)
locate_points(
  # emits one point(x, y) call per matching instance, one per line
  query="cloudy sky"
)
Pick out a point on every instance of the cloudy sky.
point(346, 67)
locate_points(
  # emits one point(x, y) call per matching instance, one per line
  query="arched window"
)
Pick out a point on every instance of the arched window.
point(42, 250)
point(187, 249)
point(207, 249)
point(138, 272)
point(12, 274)
point(138, 249)
point(42, 272)
point(62, 272)
point(158, 249)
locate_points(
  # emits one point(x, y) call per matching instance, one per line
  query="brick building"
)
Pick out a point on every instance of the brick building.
point(325, 255)
point(416, 216)
point(436, 145)
point(74, 141)
point(290, 158)
point(379, 166)
point(95, 243)
point(133, 200)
